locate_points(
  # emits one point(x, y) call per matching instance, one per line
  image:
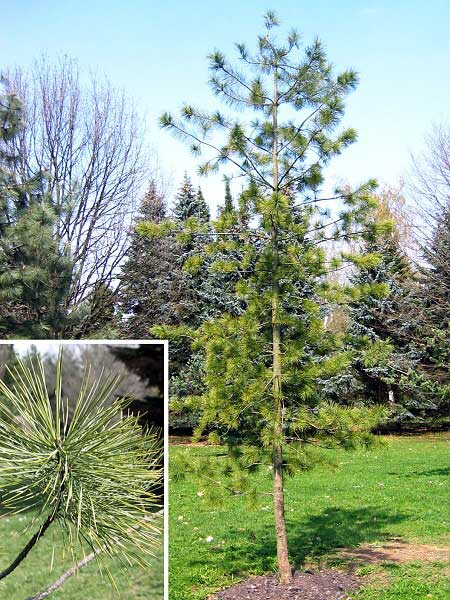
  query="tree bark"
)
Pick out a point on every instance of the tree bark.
point(284, 567)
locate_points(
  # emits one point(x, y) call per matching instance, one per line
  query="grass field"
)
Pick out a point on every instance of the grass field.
point(34, 574)
point(399, 491)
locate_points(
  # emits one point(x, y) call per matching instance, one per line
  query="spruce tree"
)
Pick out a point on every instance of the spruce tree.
point(153, 288)
point(437, 275)
point(228, 205)
point(432, 312)
point(430, 306)
point(378, 327)
point(187, 365)
point(216, 287)
point(190, 203)
point(261, 395)
point(35, 274)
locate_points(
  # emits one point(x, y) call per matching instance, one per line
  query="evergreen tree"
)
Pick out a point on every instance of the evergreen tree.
point(437, 275)
point(187, 365)
point(261, 395)
point(153, 288)
point(35, 274)
point(429, 308)
point(432, 314)
point(216, 287)
point(190, 203)
point(228, 205)
point(377, 327)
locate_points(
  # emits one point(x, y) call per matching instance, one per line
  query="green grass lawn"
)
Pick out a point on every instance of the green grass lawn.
point(400, 490)
point(34, 574)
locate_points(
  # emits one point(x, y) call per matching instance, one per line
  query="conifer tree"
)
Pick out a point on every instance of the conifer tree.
point(187, 365)
point(35, 274)
point(437, 275)
point(378, 328)
point(429, 308)
point(216, 287)
point(190, 203)
point(228, 203)
point(432, 305)
point(261, 366)
point(153, 288)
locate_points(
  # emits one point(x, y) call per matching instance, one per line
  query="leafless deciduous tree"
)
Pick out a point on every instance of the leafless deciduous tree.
point(88, 138)
point(429, 184)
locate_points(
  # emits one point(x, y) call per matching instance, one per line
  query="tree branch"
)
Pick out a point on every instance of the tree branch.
point(76, 568)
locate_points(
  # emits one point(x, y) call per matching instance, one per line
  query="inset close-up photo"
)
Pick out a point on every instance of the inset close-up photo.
point(81, 470)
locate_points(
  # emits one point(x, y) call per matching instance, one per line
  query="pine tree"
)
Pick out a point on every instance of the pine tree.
point(35, 274)
point(261, 366)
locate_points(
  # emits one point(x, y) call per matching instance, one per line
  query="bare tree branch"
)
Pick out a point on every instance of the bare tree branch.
point(88, 139)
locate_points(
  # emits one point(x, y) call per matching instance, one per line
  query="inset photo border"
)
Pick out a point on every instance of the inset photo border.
point(83, 466)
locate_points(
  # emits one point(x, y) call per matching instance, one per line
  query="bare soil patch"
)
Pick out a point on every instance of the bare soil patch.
point(397, 551)
point(328, 584)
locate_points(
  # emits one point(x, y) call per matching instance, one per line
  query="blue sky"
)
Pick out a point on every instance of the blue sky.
point(156, 51)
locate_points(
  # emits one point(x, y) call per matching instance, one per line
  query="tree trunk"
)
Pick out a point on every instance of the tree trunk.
point(284, 568)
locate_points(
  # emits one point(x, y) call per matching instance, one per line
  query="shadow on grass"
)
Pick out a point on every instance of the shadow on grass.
point(440, 472)
point(252, 551)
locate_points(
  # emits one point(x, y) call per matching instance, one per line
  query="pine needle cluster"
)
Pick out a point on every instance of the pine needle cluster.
point(93, 473)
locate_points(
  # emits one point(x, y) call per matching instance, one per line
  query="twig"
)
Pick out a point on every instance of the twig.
point(78, 566)
point(65, 576)
point(33, 541)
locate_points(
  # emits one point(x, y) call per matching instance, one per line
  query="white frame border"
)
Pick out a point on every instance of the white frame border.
point(165, 344)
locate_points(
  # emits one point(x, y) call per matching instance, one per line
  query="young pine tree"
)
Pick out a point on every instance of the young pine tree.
point(262, 365)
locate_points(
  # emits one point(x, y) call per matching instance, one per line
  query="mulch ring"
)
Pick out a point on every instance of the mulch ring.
point(333, 584)
point(328, 584)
